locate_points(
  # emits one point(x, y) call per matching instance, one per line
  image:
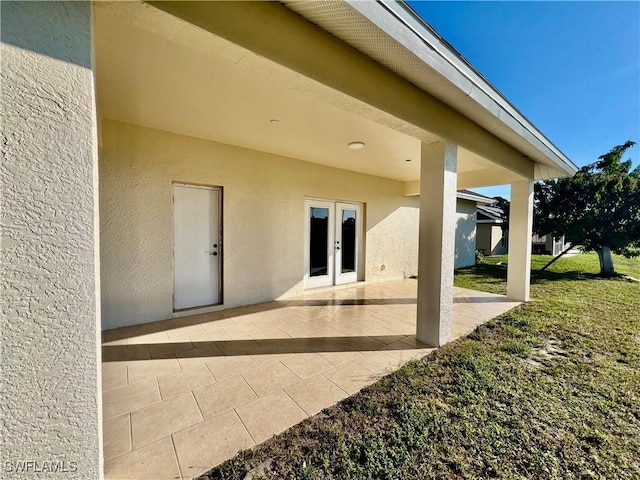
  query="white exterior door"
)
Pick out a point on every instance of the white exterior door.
point(196, 249)
point(319, 248)
point(347, 242)
point(332, 243)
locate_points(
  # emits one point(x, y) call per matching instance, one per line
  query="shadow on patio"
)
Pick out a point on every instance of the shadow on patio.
point(183, 395)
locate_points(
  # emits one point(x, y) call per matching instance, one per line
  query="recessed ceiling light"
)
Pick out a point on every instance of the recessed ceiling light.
point(356, 145)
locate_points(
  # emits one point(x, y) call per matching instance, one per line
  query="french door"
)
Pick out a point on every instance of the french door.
point(333, 243)
point(196, 248)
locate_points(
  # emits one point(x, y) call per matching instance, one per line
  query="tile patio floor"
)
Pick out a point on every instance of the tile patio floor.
point(183, 395)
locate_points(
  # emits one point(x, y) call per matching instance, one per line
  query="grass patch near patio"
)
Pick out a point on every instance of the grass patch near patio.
point(548, 390)
point(491, 277)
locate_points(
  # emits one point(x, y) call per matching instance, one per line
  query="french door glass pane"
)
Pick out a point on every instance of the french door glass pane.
point(318, 241)
point(348, 241)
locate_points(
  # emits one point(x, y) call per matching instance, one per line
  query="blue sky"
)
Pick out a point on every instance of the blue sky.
point(572, 68)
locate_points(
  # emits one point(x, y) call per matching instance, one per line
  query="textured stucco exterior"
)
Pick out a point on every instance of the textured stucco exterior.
point(465, 233)
point(489, 239)
point(263, 219)
point(49, 336)
point(520, 232)
point(439, 163)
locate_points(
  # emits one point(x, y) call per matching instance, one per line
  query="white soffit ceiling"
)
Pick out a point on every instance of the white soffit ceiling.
point(430, 65)
point(200, 85)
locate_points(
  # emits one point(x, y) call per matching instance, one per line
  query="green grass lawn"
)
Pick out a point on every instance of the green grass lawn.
point(550, 390)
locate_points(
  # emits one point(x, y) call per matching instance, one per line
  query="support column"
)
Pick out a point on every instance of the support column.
point(49, 340)
point(436, 249)
point(520, 230)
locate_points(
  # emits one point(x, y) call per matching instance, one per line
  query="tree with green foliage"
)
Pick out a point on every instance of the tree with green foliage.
point(598, 208)
point(505, 207)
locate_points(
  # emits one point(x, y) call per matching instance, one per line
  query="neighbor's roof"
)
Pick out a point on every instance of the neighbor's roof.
point(465, 194)
point(392, 34)
point(492, 212)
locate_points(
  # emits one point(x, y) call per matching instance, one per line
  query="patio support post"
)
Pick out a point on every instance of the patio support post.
point(49, 271)
point(520, 229)
point(438, 181)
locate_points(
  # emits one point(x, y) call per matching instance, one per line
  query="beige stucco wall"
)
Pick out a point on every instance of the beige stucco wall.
point(48, 272)
point(489, 239)
point(483, 238)
point(465, 233)
point(263, 219)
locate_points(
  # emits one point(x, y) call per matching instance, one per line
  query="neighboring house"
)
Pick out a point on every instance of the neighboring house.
point(493, 237)
point(467, 228)
point(548, 244)
point(162, 159)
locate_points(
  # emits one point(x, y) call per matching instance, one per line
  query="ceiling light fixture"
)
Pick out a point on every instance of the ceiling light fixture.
point(356, 145)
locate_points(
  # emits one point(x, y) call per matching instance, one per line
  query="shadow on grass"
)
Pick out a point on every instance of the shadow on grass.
point(545, 276)
point(498, 273)
point(490, 273)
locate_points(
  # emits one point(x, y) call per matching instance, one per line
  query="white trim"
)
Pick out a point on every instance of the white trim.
point(190, 185)
point(406, 28)
point(351, 277)
point(332, 278)
point(475, 198)
point(219, 295)
point(328, 279)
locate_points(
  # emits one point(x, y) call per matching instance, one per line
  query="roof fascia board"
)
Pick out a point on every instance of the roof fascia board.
point(476, 198)
point(474, 179)
point(399, 22)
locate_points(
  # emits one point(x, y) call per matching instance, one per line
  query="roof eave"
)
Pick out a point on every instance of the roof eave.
point(475, 198)
point(411, 30)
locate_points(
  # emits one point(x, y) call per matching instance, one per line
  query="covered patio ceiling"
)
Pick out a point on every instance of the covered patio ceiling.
point(159, 71)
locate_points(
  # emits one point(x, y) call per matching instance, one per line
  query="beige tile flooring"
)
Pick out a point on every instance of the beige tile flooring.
point(183, 395)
